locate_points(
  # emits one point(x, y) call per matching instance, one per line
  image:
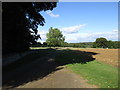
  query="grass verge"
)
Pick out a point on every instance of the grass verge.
point(32, 48)
point(97, 73)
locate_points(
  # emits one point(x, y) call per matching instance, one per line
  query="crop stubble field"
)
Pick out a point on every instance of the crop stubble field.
point(108, 56)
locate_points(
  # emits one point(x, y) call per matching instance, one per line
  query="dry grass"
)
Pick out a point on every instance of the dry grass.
point(108, 56)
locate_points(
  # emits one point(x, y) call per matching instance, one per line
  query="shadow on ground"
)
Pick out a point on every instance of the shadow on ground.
point(74, 56)
point(38, 68)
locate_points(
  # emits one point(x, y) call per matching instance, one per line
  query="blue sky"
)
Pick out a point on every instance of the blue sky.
point(82, 21)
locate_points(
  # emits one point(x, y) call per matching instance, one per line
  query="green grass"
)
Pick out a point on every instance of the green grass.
point(26, 59)
point(97, 73)
point(39, 47)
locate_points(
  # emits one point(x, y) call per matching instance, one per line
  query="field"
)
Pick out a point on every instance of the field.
point(108, 56)
point(97, 66)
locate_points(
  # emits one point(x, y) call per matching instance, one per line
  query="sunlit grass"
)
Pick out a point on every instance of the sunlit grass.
point(38, 48)
point(97, 73)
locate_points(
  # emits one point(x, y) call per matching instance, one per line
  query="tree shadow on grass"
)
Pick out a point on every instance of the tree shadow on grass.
point(38, 68)
point(74, 56)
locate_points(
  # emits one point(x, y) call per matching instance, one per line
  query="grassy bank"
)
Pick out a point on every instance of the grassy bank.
point(97, 73)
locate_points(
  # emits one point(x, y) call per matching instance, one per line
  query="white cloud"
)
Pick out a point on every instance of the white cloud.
point(52, 15)
point(83, 37)
point(72, 29)
point(42, 32)
point(42, 35)
point(90, 37)
point(115, 30)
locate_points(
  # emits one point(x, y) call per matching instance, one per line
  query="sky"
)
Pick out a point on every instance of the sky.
point(82, 21)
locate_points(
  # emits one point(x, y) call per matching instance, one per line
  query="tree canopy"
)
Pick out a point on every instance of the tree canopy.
point(101, 43)
point(55, 37)
point(20, 22)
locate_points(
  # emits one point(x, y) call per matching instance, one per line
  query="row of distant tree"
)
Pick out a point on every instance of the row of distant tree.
point(55, 38)
point(99, 43)
point(104, 43)
point(110, 44)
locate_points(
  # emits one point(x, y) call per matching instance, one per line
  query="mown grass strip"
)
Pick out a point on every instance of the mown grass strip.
point(97, 73)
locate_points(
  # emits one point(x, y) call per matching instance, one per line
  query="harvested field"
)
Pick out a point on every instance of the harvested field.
point(108, 56)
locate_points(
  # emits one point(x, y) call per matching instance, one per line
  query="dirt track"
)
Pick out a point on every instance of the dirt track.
point(63, 78)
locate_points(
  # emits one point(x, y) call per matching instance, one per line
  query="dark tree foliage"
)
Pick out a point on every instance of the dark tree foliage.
point(78, 45)
point(37, 44)
point(101, 43)
point(114, 44)
point(20, 22)
point(44, 44)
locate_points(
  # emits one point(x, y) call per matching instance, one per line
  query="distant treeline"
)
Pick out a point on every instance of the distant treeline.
point(65, 44)
point(109, 44)
point(80, 45)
